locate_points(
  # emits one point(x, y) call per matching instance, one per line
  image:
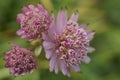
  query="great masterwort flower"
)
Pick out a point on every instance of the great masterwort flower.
point(67, 43)
point(20, 60)
point(33, 21)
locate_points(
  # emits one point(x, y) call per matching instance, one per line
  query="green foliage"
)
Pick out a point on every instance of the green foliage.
point(102, 16)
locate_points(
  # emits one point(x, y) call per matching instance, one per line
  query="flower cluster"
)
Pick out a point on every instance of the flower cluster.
point(33, 21)
point(20, 60)
point(66, 43)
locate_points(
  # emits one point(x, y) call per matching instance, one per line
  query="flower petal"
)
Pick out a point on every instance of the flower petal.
point(76, 68)
point(74, 17)
point(49, 53)
point(42, 8)
point(31, 7)
point(83, 26)
point(61, 20)
point(20, 18)
point(48, 45)
point(25, 10)
point(90, 49)
point(86, 59)
point(90, 35)
point(65, 70)
point(45, 37)
point(56, 66)
point(20, 32)
point(52, 63)
point(52, 29)
point(48, 37)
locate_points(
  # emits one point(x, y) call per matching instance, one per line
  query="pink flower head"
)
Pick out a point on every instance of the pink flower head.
point(33, 21)
point(20, 60)
point(67, 43)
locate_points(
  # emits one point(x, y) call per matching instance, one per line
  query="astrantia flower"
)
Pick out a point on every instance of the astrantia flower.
point(20, 60)
point(33, 21)
point(67, 43)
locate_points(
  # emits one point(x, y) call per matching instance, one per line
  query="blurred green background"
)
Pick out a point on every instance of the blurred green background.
point(103, 16)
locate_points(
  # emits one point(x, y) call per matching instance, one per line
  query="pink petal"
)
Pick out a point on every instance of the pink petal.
point(74, 17)
point(11, 70)
point(65, 70)
point(83, 26)
point(61, 20)
point(31, 71)
point(25, 9)
point(20, 32)
point(76, 68)
point(24, 36)
point(20, 18)
point(56, 66)
point(41, 8)
point(48, 37)
point(86, 59)
point(48, 45)
point(31, 7)
point(49, 53)
point(52, 63)
point(90, 49)
point(52, 29)
point(45, 37)
point(90, 35)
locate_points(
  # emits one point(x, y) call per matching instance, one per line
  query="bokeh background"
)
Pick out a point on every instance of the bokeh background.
point(102, 16)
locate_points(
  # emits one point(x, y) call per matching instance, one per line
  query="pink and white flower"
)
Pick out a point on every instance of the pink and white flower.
point(67, 43)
